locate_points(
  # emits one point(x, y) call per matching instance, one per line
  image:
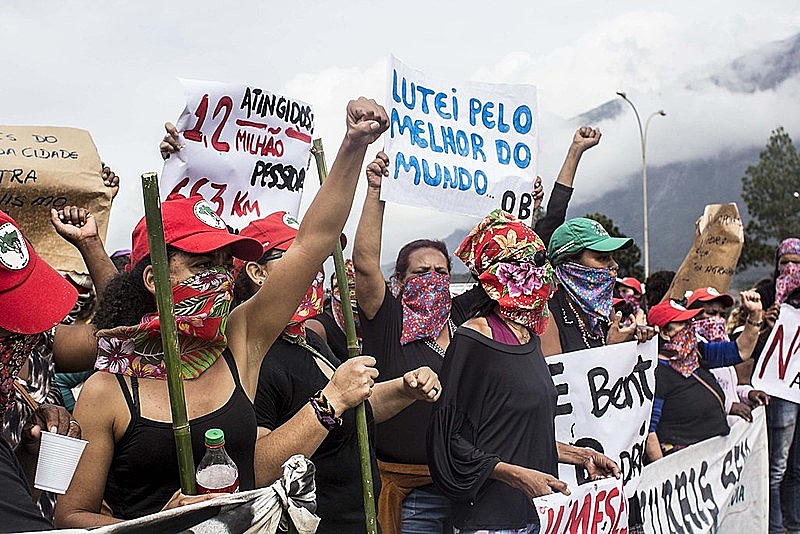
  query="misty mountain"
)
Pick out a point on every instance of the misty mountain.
point(605, 111)
point(761, 69)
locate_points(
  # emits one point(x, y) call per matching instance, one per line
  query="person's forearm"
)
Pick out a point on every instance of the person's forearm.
point(367, 245)
point(101, 268)
point(749, 338)
point(569, 168)
point(388, 399)
point(570, 454)
point(652, 448)
point(81, 519)
point(302, 434)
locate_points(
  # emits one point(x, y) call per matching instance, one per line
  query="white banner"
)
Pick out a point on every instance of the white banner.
point(461, 147)
point(594, 507)
point(605, 396)
point(245, 150)
point(778, 370)
point(718, 485)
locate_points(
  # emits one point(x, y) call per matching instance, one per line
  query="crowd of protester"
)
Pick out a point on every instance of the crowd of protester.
point(459, 400)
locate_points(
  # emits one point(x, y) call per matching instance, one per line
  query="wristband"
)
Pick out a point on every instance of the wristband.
point(324, 411)
point(752, 323)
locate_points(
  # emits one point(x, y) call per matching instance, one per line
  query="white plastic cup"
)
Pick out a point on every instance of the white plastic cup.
point(58, 458)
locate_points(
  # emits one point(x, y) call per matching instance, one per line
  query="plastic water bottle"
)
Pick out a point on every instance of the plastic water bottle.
point(217, 473)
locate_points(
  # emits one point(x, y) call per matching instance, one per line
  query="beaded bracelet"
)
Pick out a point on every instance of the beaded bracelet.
point(325, 412)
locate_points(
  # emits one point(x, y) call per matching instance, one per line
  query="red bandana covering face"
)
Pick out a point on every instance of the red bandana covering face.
point(14, 350)
point(687, 359)
point(309, 307)
point(501, 250)
point(201, 312)
point(712, 328)
point(336, 300)
point(788, 280)
point(426, 305)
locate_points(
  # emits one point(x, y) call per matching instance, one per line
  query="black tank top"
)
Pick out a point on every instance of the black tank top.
point(144, 470)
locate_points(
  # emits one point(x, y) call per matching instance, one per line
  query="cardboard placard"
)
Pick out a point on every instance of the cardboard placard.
point(712, 260)
point(44, 167)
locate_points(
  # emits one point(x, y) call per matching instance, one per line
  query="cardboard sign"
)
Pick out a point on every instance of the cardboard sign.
point(462, 147)
point(596, 507)
point(44, 167)
point(604, 402)
point(245, 150)
point(778, 369)
point(718, 485)
point(712, 260)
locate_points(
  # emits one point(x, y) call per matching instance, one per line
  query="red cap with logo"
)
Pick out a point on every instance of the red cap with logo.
point(669, 311)
point(33, 296)
point(192, 225)
point(707, 294)
point(632, 283)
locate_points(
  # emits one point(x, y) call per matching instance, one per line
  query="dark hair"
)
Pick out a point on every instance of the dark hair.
point(401, 265)
point(243, 287)
point(656, 286)
point(126, 300)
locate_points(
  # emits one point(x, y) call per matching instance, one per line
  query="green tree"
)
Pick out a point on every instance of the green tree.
point(629, 260)
point(770, 191)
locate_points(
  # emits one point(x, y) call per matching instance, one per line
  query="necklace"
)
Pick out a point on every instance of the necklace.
point(434, 346)
point(523, 335)
point(585, 334)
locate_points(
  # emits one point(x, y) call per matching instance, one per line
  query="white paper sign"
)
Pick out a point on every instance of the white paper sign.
point(596, 507)
point(778, 369)
point(245, 150)
point(718, 485)
point(604, 402)
point(463, 147)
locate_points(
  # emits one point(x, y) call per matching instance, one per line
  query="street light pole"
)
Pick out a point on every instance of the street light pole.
point(643, 140)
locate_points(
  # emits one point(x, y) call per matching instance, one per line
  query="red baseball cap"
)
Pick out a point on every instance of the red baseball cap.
point(669, 311)
point(33, 296)
point(632, 283)
point(192, 225)
point(707, 294)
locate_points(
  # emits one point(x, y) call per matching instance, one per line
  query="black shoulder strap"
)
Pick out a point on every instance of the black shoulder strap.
point(132, 402)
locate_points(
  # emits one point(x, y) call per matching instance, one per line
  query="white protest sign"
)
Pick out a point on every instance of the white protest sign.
point(718, 485)
point(595, 507)
point(605, 396)
point(778, 370)
point(245, 150)
point(463, 147)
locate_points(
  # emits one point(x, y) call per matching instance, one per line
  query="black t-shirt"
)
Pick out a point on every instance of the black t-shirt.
point(289, 376)
point(498, 404)
point(573, 329)
point(17, 511)
point(336, 339)
point(691, 412)
point(401, 439)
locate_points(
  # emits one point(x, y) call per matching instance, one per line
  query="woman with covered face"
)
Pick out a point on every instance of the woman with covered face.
point(130, 461)
point(491, 441)
point(688, 406)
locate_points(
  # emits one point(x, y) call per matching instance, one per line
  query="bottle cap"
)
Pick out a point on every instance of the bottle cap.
point(215, 436)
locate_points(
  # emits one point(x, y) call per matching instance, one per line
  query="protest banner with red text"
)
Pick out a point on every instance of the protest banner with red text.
point(245, 150)
point(778, 369)
point(592, 508)
point(717, 485)
point(461, 147)
point(44, 167)
point(605, 396)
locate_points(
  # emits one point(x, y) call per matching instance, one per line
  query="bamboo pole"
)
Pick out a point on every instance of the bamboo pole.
point(352, 351)
point(169, 333)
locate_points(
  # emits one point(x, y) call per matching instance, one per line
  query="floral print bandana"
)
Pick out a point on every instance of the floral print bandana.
point(687, 359)
point(508, 258)
point(309, 307)
point(787, 281)
point(14, 351)
point(711, 328)
point(202, 304)
point(336, 300)
point(591, 288)
point(426, 305)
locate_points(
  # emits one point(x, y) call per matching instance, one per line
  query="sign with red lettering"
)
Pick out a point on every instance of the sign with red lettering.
point(463, 147)
point(605, 396)
point(44, 167)
point(244, 149)
point(778, 369)
point(592, 508)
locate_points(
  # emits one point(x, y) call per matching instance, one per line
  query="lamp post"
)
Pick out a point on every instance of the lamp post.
point(643, 139)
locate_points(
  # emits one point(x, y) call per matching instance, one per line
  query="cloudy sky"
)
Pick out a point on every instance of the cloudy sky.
point(111, 68)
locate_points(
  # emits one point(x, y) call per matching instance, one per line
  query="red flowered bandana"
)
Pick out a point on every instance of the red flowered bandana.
point(202, 304)
point(309, 307)
point(788, 280)
point(687, 359)
point(711, 328)
point(426, 305)
point(508, 258)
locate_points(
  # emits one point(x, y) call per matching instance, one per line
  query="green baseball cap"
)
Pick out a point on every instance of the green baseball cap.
point(579, 234)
